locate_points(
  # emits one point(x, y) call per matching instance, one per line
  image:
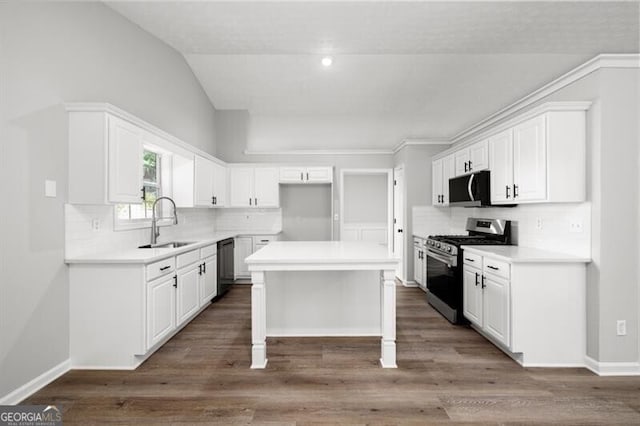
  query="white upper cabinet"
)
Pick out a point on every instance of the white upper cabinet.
point(254, 187)
point(292, 174)
point(219, 185)
point(442, 170)
point(530, 161)
point(125, 161)
point(501, 157)
point(472, 159)
point(266, 189)
point(540, 160)
point(203, 182)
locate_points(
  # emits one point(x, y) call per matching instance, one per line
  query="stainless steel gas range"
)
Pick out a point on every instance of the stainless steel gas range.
point(445, 260)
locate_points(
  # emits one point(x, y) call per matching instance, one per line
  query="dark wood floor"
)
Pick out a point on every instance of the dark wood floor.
point(446, 374)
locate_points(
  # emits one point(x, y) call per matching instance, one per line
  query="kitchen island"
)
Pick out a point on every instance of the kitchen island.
point(323, 288)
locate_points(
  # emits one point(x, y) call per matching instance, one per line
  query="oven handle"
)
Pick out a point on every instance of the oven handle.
point(451, 261)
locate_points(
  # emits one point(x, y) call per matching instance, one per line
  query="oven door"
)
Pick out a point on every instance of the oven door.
point(444, 285)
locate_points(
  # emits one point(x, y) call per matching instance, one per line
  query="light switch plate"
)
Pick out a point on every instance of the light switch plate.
point(50, 188)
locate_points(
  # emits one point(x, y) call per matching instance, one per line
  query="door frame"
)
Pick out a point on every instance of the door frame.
point(399, 186)
point(389, 174)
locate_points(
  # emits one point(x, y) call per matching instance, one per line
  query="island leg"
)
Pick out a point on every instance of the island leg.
point(388, 317)
point(258, 320)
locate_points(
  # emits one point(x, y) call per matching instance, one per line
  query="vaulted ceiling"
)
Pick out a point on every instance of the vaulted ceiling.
point(422, 69)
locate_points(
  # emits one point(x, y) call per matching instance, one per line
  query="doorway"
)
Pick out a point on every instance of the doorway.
point(399, 220)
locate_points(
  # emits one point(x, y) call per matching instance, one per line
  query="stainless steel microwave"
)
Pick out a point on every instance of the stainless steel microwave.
point(472, 190)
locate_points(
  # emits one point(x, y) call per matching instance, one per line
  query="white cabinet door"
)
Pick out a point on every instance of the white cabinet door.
point(266, 189)
point(292, 174)
point(161, 309)
point(479, 156)
point(208, 280)
point(496, 309)
point(187, 294)
point(203, 182)
point(243, 248)
point(461, 159)
point(219, 185)
point(125, 162)
point(530, 160)
point(436, 177)
point(418, 266)
point(472, 291)
point(448, 171)
point(501, 159)
point(241, 186)
point(319, 174)
point(350, 234)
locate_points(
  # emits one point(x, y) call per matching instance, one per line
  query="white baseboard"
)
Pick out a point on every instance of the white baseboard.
point(409, 283)
point(36, 384)
point(612, 368)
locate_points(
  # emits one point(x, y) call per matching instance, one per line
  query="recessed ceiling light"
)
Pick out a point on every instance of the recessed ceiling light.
point(327, 61)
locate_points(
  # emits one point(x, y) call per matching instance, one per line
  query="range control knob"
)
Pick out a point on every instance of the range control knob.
point(438, 245)
point(449, 249)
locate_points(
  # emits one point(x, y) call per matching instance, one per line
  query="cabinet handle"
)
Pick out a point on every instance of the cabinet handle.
point(483, 279)
point(301, 176)
point(470, 165)
point(264, 241)
point(470, 260)
point(213, 200)
point(307, 175)
point(256, 201)
point(465, 166)
point(199, 269)
point(400, 231)
point(175, 281)
point(249, 200)
point(493, 267)
point(477, 279)
point(204, 268)
point(144, 193)
point(515, 190)
point(507, 191)
point(164, 268)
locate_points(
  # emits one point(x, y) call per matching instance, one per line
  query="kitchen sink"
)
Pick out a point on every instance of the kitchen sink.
point(172, 244)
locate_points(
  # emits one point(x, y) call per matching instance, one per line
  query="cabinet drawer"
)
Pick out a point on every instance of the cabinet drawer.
point(161, 267)
point(472, 259)
point(187, 258)
point(496, 267)
point(208, 251)
point(264, 239)
point(418, 242)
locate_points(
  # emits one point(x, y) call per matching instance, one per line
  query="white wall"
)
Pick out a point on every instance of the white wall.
point(306, 212)
point(365, 198)
point(51, 54)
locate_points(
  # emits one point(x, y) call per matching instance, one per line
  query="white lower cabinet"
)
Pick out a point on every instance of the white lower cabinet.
point(121, 313)
point(419, 262)
point(161, 309)
point(188, 300)
point(533, 309)
point(486, 296)
point(244, 247)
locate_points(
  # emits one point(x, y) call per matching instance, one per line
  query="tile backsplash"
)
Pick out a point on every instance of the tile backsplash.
point(544, 226)
point(81, 238)
point(249, 220)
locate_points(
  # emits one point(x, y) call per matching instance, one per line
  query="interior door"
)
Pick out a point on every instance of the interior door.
point(398, 220)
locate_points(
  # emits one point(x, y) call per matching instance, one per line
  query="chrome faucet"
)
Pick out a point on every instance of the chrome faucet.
point(154, 220)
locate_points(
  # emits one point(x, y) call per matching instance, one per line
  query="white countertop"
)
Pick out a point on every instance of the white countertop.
point(519, 254)
point(322, 253)
point(149, 255)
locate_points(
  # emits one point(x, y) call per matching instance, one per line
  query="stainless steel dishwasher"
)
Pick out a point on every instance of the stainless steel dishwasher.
point(225, 266)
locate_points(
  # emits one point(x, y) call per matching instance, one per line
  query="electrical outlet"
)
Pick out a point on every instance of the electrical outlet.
point(575, 225)
point(539, 224)
point(95, 224)
point(621, 327)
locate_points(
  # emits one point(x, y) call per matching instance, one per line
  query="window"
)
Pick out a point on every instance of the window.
point(152, 189)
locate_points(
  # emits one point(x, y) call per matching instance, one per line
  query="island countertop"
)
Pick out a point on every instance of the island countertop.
point(313, 254)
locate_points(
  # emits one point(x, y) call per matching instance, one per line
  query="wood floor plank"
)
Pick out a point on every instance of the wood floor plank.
point(447, 375)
